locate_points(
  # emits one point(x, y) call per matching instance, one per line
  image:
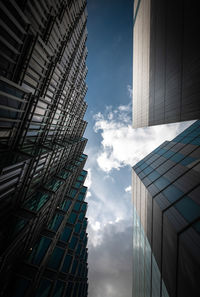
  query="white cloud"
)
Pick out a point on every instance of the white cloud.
point(88, 180)
point(130, 91)
point(121, 144)
point(128, 189)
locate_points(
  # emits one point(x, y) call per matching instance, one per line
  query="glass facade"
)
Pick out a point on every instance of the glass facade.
point(166, 62)
point(43, 249)
point(166, 240)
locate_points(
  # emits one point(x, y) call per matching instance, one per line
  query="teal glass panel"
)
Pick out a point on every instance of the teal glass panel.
point(67, 263)
point(66, 205)
point(196, 141)
point(56, 258)
point(20, 286)
point(58, 291)
point(81, 196)
point(78, 251)
point(172, 193)
point(77, 206)
point(66, 234)
point(69, 290)
point(72, 218)
point(188, 208)
point(72, 193)
point(83, 172)
point(161, 183)
point(73, 243)
point(153, 175)
point(74, 267)
point(44, 288)
point(81, 216)
point(37, 201)
point(83, 189)
point(55, 222)
point(84, 207)
point(168, 154)
point(82, 235)
point(77, 228)
point(39, 251)
point(177, 158)
point(54, 184)
point(77, 185)
point(85, 223)
point(187, 161)
point(80, 178)
point(64, 174)
point(147, 170)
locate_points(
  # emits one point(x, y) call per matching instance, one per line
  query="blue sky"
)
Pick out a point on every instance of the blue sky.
point(113, 146)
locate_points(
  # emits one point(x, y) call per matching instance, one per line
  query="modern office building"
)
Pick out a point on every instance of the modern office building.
point(166, 240)
point(43, 234)
point(166, 62)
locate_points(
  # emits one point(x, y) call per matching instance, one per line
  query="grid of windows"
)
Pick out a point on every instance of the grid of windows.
point(166, 187)
point(42, 89)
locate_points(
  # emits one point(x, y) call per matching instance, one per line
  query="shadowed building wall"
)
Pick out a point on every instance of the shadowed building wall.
point(166, 62)
point(43, 235)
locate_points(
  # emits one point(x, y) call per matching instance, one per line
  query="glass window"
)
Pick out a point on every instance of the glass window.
point(84, 207)
point(83, 172)
point(73, 243)
point(44, 288)
point(66, 234)
point(172, 193)
point(81, 196)
point(39, 251)
point(56, 258)
point(77, 206)
point(187, 161)
point(154, 175)
point(67, 263)
point(81, 216)
point(74, 267)
point(37, 201)
point(77, 185)
point(72, 218)
point(147, 170)
point(58, 291)
point(55, 222)
point(54, 184)
point(83, 189)
point(69, 290)
point(72, 193)
point(77, 228)
point(66, 204)
point(80, 178)
point(188, 209)
point(161, 183)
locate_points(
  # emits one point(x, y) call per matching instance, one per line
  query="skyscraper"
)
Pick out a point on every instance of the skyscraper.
point(166, 240)
point(166, 62)
point(42, 88)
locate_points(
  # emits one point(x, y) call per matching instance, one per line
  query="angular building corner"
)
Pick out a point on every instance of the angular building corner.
point(43, 238)
point(166, 239)
point(166, 183)
point(166, 62)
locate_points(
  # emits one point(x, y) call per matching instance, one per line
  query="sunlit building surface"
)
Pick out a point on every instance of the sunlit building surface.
point(166, 239)
point(166, 62)
point(43, 234)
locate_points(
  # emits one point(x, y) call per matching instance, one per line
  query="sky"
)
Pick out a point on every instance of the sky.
point(113, 146)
